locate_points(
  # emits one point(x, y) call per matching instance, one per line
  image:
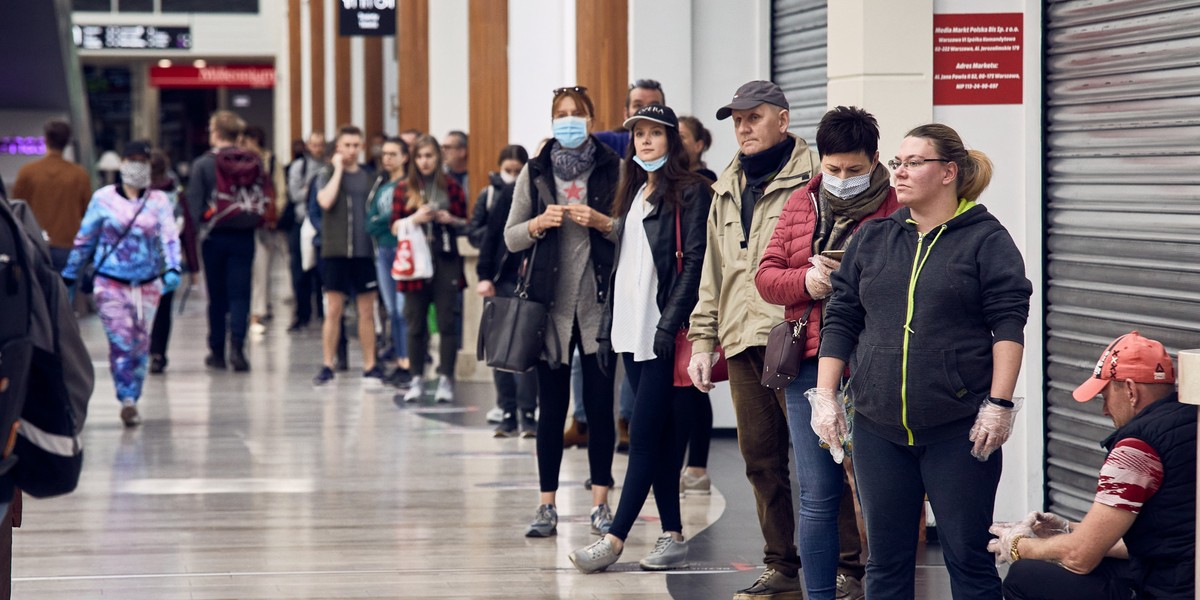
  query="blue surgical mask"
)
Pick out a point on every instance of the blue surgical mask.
point(845, 188)
point(653, 165)
point(571, 132)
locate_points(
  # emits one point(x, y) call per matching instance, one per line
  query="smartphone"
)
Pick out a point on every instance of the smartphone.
point(834, 254)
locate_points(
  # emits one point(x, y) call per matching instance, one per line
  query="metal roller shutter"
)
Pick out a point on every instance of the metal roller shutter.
point(798, 61)
point(1123, 207)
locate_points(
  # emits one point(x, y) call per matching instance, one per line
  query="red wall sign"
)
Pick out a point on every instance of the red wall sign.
point(228, 76)
point(977, 58)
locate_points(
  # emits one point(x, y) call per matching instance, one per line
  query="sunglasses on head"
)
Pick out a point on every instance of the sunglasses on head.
point(578, 89)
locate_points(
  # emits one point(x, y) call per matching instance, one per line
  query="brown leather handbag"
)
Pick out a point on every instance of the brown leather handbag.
point(785, 352)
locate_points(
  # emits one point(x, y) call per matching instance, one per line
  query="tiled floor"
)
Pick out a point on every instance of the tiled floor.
point(259, 486)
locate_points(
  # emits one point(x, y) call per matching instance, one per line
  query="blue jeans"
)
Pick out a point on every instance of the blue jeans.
point(821, 484)
point(393, 301)
point(893, 480)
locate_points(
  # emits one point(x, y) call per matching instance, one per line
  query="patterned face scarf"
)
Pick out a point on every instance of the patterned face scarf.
point(838, 217)
point(570, 163)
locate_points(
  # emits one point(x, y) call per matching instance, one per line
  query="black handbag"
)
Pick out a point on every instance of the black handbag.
point(87, 273)
point(512, 331)
point(785, 352)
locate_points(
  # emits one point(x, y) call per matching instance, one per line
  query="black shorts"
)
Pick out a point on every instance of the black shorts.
point(349, 276)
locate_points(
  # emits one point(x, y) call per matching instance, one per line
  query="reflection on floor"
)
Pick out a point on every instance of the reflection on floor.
point(257, 485)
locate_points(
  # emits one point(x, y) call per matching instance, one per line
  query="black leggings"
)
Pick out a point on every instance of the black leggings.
point(554, 393)
point(444, 292)
point(160, 332)
point(696, 432)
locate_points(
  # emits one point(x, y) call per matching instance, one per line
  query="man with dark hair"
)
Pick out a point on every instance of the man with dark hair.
point(642, 92)
point(228, 253)
point(454, 155)
point(57, 190)
point(1138, 540)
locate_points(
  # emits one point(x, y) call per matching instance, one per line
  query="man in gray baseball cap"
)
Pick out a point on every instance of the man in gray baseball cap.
point(751, 95)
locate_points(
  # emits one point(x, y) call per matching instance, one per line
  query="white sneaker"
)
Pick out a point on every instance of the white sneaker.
point(496, 415)
point(415, 392)
point(445, 389)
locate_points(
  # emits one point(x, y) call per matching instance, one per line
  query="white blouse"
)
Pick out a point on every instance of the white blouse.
point(635, 288)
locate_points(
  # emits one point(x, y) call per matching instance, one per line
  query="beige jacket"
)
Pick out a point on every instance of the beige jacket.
point(730, 309)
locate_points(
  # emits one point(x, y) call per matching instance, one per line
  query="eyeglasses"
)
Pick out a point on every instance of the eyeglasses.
point(913, 163)
point(646, 84)
point(578, 89)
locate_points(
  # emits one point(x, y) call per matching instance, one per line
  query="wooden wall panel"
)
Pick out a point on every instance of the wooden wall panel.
point(602, 57)
point(295, 86)
point(316, 10)
point(488, 108)
point(341, 91)
point(412, 47)
point(373, 85)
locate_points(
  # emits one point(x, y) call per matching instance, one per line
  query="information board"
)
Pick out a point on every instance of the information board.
point(977, 58)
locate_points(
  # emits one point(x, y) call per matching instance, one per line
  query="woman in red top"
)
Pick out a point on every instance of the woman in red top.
point(852, 188)
point(436, 203)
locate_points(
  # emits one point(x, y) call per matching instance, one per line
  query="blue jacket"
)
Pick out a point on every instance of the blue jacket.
point(150, 249)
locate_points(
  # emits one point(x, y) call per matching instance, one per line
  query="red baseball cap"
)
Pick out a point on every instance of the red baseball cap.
point(1130, 356)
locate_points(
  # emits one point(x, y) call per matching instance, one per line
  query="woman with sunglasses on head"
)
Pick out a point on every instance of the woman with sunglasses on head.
point(560, 209)
point(929, 309)
point(661, 207)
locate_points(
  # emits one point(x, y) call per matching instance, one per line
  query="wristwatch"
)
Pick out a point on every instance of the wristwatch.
point(1013, 553)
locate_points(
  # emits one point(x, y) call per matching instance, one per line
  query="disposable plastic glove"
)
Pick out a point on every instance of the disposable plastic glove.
point(1046, 525)
point(1005, 533)
point(993, 425)
point(700, 370)
point(829, 420)
point(816, 280)
point(170, 281)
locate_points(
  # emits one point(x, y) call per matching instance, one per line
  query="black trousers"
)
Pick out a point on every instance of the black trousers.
point(305, 284)
point(1040, 580)
point(228, 260)
point(160, 332)
point(697, 433)
point(444, 292)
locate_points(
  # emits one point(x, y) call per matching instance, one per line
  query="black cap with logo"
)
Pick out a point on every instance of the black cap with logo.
point(658, 113)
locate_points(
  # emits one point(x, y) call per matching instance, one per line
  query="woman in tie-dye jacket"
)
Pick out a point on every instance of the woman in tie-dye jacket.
point(132, 272)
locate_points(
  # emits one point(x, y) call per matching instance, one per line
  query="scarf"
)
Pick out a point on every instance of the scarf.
point(570, 163)
point(837, 218)
point(766, 164)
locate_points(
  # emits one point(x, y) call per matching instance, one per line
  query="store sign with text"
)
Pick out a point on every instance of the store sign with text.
point(977, 58)
point(367, 17)
point(218, 76)
point(131, 37)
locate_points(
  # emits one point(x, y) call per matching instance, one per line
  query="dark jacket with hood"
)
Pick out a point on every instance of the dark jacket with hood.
point(916, 317)
point(486, 232)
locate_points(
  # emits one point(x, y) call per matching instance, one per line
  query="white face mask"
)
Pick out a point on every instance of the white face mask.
point(506, 177)
point(845, 188)
point(135, 174)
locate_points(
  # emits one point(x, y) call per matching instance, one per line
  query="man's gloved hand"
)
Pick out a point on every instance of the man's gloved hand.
point(1005, 534)
point(1046, 525)
point(829, 420)
point(664, 344)
point(605, 358)
point(700, 370)
point(993, 425)
point(170, 281)
point(816, 280)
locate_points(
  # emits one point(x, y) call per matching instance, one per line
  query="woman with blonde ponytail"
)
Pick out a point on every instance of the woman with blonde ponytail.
point(929, 309)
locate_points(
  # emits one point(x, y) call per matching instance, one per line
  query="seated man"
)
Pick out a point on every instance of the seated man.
point(1138, 539)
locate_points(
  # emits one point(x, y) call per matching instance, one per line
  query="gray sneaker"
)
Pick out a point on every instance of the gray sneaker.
point(545, 522)
point(774, 585)
point(594, 557)
point(694, 485)
point(667, 554)
point(849, 588)
point(601, 519)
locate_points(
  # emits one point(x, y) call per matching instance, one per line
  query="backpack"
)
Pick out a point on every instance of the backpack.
point(245, 196)
point(16, 346)
point(60, 379)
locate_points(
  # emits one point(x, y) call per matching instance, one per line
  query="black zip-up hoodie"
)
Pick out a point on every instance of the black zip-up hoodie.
point(920, 314)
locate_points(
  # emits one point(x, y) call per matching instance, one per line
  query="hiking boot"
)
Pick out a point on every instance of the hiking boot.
point(238, 361)
point(667, 554)
point(495, 415)
point(400, 378)
point(324, 376)
point(373, 375)
point(507, 427)
point(415, 391)
point(545, 522)
point(622, 435)
point(601, 519)
point(129, 413)
point(694, 485)
point(445, 389)
point(528, 425)
point(576, 435)
point(849, 588)
point(213, 361)
point(594, 557)
point(774, 585)
point(158, 363)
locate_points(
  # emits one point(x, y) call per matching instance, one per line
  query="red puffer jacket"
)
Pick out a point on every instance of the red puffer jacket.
point(781, 272)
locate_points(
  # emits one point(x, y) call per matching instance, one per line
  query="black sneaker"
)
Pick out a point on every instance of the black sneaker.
point(324, 376)
point(238, 361)
point(297, 326)
point(507, 427)
point(400, 378)
point(158, 363)
point(374, 373)
point(213, 361)
point(528, 425)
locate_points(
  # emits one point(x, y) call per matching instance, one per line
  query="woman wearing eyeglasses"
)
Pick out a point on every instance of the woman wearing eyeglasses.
point(929, 309)
point(561, 204)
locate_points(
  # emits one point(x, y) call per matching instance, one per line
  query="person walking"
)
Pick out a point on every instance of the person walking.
point(160, 334)
point(393, 158)
point(661, 207)
point(128, 236)
point(561, 203)
point(928, 308)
